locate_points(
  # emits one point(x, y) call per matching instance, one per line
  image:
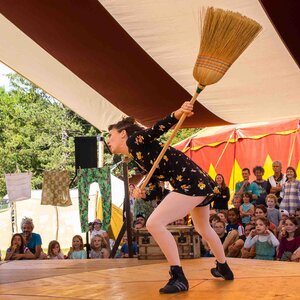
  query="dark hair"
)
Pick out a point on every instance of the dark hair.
point(247, 194)
point(235, 210)
point(297, 209)
point(262, 207)
point(214, 217)
point(22, 242)
point(51, 245)
point(246, 169)
point(293, 169)
point(223, 185)
point(296, 222)
point(258, 168)
point(264, 220)
point(128, 124)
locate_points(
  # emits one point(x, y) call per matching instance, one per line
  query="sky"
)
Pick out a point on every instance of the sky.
point(4, 82)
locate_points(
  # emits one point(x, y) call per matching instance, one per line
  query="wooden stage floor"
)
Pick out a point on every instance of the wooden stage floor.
point(141, 279)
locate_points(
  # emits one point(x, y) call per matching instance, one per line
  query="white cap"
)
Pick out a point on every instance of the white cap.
point(284, 212)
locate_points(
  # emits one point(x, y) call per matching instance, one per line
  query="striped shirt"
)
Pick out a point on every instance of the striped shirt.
point(291, 196)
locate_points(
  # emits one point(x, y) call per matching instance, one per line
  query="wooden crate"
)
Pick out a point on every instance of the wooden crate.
point(187, 240)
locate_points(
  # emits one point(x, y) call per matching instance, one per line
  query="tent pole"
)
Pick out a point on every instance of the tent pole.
point(57, 222)
point(293, 147)
point(221, 155)
point(127, 223)
point(234, 157)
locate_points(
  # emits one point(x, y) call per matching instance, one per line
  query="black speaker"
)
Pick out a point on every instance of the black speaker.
point(86, 152)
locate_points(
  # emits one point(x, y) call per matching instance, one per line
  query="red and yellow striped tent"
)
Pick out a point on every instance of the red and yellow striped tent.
point(228, 149)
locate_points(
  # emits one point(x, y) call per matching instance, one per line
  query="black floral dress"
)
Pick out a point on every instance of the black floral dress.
point(183, 174)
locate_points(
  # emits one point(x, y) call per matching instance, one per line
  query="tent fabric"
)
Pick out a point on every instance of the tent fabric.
point(104, 59)
point(228, 149)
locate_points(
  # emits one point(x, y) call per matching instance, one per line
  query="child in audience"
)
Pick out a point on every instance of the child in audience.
point(272, 212)
point(284, 215)
point(290, 240)
point(233, 216)
point(54, 251)
point(236, 231)
point(246, 209)
point(264, 240)
point(124, 248)
point(248, 252)
point(99, 247)
point(237, 201)
point(213, 219)
point(17, 249)
point(223, 216)
point(260, 211)
point(297, 212)
point(76, 251)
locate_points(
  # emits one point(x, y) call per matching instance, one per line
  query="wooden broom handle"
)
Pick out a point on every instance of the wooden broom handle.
point(167, 144)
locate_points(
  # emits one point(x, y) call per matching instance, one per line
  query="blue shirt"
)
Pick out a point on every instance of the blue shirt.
point(34, 241)
point(124, 248)
point(81, 254)
point(251, 188)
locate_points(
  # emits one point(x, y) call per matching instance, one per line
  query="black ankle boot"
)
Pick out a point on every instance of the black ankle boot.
point(222, 270)
point(177, 283)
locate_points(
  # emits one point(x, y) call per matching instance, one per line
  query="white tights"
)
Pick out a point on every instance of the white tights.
point(176, 206)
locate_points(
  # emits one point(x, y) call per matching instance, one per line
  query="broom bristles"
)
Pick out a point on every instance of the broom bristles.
point(224, 37)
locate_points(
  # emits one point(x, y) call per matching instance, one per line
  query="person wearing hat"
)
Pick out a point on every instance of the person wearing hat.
point(140, 221)
point(281, 227)
point(193, 191)
point(97, 229)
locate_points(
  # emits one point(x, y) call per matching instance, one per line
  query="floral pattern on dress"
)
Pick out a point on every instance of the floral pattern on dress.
point(184, 175)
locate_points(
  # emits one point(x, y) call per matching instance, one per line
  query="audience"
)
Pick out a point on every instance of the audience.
point(77, 251)
point(125, 250)
point(32, 240)
point(99, 247)
point(262, 184)
point(290, 192)
point(272, 212)
point(237, 201)
point(222, 193)
point(276, 181)
point(140, 221)
point(245, 186)
point(290, 241)
point(97, 224)
point(54, 251)
point(252, 228)
point(247, 208)
point(264, 240)
point(261, 211)
point(17, 249)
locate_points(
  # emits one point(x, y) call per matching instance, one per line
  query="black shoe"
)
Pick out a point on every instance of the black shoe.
point(177, 283)
point(222, 270)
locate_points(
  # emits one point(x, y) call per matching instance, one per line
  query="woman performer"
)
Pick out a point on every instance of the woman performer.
point(193, 191)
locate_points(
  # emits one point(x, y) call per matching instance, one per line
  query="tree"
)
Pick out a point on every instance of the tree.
point(36, 132)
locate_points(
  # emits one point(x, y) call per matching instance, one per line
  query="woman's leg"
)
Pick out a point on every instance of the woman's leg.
point(175, 206)
point(200, 216)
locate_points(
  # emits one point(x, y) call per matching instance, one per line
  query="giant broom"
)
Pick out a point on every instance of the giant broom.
point(224, 37)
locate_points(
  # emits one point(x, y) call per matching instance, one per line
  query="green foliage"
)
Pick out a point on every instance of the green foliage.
point(181, 135)
point(36, 132)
